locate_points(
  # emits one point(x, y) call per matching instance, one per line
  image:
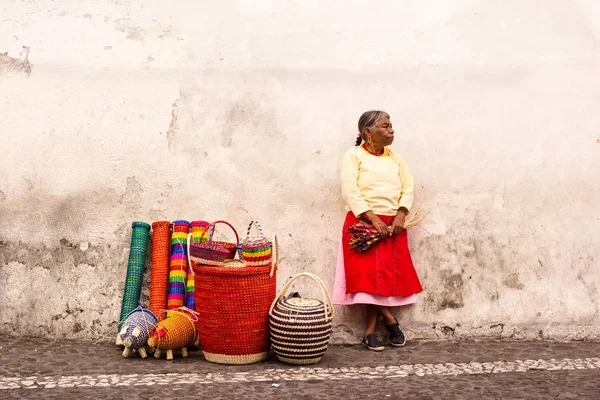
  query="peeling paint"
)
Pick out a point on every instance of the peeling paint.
point(9, 64)
point(173, 127)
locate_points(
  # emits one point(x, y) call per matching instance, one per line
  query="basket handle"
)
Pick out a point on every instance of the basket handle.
point(237, 238)
point(258, 228)
point(274, 255)
point(318, 280)
point(189, 260)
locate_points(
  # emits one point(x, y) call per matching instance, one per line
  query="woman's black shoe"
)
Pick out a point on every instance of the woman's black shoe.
point(396, 336)
point(373, 343)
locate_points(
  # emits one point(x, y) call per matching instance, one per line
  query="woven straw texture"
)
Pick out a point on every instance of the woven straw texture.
point(135, 268)
point(178, 266)
point(300, 328)
point(200, 231)
point(159, 277)
point(234, 314)
point(136, 327)
point(176, 332)
point(190, 291)
point(214, 252)
point(256, 250)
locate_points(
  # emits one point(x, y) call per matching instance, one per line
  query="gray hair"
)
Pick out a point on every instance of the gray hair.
point(367, 121)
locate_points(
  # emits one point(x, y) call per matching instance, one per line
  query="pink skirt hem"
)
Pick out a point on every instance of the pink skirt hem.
point(340, 297)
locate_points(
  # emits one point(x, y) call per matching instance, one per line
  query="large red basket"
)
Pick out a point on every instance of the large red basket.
point(233, 311)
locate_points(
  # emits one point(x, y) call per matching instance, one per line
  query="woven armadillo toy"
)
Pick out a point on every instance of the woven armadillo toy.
point(135, 331)
point(176, 332)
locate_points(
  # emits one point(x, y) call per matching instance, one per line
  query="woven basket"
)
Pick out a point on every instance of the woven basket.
point(300, 328)
point(214, 252)
point(159, 276)
point(233, 307)
point(256, 250)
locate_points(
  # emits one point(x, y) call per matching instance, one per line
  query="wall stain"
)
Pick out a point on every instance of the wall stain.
point(65, 255)
point(9, 64)
point(133, 32)
point(512, 281)
point(67, 214)
point(452, 290)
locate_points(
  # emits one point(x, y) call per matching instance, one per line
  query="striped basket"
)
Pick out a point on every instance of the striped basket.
point(214, 252)
point(256, 250)
point(300, 328)
point(233, 310)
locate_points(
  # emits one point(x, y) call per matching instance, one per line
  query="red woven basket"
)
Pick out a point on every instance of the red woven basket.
point(233, 310)
point(213, 252)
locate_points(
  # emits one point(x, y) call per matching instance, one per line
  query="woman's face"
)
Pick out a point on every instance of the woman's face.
point(382, 134)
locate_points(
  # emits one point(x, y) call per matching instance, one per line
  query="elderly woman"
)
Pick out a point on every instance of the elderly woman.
point(377, 188)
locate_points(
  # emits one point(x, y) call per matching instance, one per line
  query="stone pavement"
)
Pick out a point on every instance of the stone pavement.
point(39, 368)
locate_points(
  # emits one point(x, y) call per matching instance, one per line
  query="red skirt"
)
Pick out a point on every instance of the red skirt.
point(385, 269)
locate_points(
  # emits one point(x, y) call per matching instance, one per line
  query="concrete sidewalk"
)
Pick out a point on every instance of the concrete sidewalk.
point(38, 368)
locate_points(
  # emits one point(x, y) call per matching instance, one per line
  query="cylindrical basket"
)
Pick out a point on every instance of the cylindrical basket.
point(233, 310)
point(200, 231)
point(135, 269)
point(213, 252)
point(178, 266)
point(159, 277)
point(300, 328)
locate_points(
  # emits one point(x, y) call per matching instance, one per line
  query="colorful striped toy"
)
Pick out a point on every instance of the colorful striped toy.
point(135, 270)
point(178, 266)
point(159, 278)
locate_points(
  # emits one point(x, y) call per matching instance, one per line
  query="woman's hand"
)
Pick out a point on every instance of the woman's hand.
point(398, 222)
point(381, 227)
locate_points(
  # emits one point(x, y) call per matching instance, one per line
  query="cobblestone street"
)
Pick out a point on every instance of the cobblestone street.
point(36, 368)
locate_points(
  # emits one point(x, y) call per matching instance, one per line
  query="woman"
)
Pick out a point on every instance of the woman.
point(377, 188)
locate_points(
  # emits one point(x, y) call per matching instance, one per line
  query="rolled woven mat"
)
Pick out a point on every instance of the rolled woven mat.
point(135, 270)
point(178, 266)
point(159, 278)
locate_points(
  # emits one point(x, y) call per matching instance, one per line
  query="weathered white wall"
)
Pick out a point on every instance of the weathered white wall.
point(136, 110)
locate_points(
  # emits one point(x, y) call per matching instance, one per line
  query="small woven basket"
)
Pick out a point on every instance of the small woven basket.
point(214, 252)
point(256, 250)
point(300, 328)
point(233, 307)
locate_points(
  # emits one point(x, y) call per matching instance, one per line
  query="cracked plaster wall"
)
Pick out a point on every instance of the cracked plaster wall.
point(112, 112)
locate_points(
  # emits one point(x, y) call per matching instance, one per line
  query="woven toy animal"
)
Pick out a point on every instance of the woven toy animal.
point(136, 329)
point(176, 332)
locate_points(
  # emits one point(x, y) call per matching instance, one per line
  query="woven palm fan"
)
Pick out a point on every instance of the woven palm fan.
point(365, 236)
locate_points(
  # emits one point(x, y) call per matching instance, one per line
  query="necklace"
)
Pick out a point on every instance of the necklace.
point(375, 154)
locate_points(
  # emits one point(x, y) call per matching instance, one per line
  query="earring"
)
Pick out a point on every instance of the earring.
point(369, 140)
